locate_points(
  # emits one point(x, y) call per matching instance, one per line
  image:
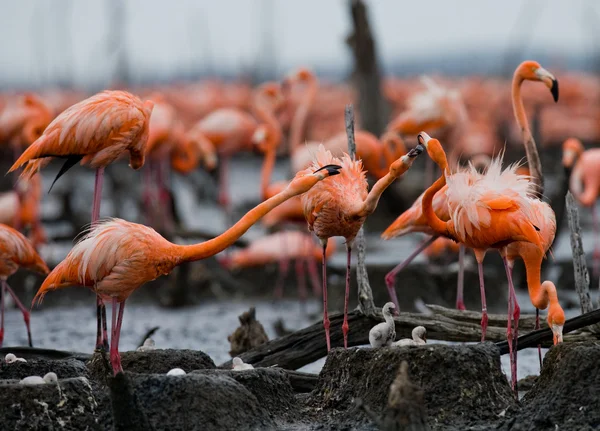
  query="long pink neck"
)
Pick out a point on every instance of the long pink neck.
point(301, 115)
point(190, 253)
point(533, 267)
point(267, 168)
point(533, 158)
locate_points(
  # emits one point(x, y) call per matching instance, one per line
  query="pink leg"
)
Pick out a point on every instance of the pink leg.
point(390, 278)
point(26, 315)
point(460, 303)
point(115, 358)
point(326, 322)
point(345, 327)
point(284, 266)
point(97, 195)
point(3, 293)
point(537, 326)
point(484, 315)
point(101, 332)
point(596, 258)
point(314, 276)
point(299, 265)
point(95, 217)
point(514, 313)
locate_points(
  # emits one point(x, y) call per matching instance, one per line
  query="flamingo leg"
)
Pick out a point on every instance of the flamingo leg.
point(26, 315)
point(102, 333)
point(460, 284)
point(596, 258)
point(95, 216)
point(299, 266)
point(345, 326)
point(326, 322)
point(537, 326)
point(314, 276)
point(284, 266)
point(514, 313)
point(115, 358)
point(484, 315)
point(390, 277)
point(3, 293)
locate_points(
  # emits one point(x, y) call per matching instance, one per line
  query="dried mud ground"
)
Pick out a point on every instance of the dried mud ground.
point(461, 387)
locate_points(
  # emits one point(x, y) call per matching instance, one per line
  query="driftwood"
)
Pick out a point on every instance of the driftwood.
point(36, 353)
point(302, 382)
point(365, 293)
point(582, 276)
point(308, 345)
point(544, 336)
point(526, 322)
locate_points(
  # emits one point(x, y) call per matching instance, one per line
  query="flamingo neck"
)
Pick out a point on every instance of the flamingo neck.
point(533, 268)
point(267, 170)
point(191, 253)
point(397, 169)
point(533, 158)
point(437, 224)
point(301, 115)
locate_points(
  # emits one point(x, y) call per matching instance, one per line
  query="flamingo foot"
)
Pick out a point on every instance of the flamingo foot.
point(460, 305)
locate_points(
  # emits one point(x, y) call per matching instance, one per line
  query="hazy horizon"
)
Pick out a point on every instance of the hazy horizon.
point(70, 41)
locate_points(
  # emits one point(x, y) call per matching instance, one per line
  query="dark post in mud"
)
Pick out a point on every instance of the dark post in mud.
point(365, 294)
point(582, 277)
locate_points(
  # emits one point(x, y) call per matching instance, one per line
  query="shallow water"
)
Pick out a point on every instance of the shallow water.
point(204, 327)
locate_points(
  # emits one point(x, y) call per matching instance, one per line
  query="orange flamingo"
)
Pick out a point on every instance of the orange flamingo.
point(95, 131)
point(340, 209)
point(230, 130)
point(585, 184)
point(540, 294)
point(436, 109)
point(116, 257)
point(17, 252)
point(23, 120)
point(532, 71)
point(486, 211)
point(281, 247)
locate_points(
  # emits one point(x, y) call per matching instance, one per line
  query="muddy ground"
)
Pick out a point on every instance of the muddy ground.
point(462, 388)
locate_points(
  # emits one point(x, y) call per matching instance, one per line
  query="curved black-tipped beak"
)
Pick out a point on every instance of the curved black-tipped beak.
point(554, 90)
point(331, 169)
point(415, 151)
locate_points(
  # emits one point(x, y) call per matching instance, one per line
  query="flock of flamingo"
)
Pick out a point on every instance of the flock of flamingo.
point(476, 203)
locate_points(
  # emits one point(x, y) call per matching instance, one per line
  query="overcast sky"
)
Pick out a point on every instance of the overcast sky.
point(43, 39)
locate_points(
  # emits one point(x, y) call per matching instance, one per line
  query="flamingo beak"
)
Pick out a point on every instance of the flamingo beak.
point(331, 169)
point(549, 80)
point(423, 139)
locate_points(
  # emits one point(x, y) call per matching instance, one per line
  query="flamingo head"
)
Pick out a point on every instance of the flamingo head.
point(433, 147)
point(531, 70)
point(272, 93)
point(389, 309)
point(260, 139)
point(305, 180)
point(572, 149)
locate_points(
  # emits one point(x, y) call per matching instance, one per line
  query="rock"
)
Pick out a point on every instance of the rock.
point(158, 361)
point(462, 384)
point(271, 386)
point(567, 392)
point(64, 368)
point(197, 401)
point(70, 404)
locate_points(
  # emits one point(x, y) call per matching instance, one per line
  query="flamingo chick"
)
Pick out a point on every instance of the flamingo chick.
point(419, 338)
point(148, 346)
point(340, 209)
point(11, 358)
point(384, 334)
point(240, 365)
point(37, 380)
point(116, 257)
